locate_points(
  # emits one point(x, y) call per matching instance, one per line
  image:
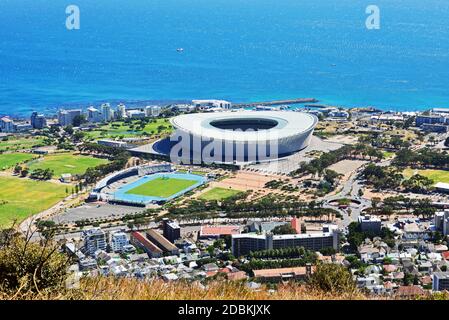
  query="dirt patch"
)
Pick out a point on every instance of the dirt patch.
point(346, 167)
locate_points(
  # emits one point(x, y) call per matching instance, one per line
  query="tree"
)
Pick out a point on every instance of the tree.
point(333, 278)
point(331, 176)
point(284, 229)
point(17, 169)
point(79, 120)
point(418, 184)
point(24, 172)
point(41, 174)
point(396, 142)
point(79, 135)
point(69, 129)
point(387, 260)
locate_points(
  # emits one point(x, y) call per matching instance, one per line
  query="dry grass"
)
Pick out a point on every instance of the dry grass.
point(102, 288)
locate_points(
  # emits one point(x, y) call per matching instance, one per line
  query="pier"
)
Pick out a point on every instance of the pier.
point(276, 102)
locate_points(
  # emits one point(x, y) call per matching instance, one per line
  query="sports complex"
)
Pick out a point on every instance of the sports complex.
point(237, 137)
point(144, 185)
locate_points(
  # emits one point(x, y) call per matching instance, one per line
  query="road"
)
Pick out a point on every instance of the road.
point(350, 190)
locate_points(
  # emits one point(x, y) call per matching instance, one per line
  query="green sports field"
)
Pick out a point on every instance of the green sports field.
point(21, 198)
point(121, 129)
point(218, 194)
point(8, 160)
point(435, 175)
point(162, 187)
point(66, 163)
point(14, 144)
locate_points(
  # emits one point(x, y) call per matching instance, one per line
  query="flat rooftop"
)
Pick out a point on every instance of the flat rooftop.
point(219, 230)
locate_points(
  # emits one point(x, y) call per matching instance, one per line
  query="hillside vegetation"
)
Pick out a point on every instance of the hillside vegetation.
point(38, 271)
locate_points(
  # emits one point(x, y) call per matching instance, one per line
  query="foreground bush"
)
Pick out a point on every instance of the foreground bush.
point(334, 279)
point(29, 267)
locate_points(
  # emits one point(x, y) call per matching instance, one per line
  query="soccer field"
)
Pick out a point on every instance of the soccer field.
point(218, 194)
point(66, 163)
point(8, 160)
point(21, 198)
point(162, 187)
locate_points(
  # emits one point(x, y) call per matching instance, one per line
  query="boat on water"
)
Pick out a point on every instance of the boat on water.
point(180, 49)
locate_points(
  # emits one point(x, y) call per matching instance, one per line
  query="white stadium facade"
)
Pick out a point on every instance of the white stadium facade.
point(239, 137)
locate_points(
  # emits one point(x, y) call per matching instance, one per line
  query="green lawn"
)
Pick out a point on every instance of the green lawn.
point(8, 160)
point(162, 187)
point(218, 194)
point(21, 198)
point(388, 154)
point(435, 175)
point(14, 144)
point(121, 129)
point(66, 163)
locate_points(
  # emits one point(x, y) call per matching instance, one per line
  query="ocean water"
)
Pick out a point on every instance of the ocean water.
point(239, 50)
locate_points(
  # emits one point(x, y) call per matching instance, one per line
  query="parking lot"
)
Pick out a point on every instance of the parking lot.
point(95, 210)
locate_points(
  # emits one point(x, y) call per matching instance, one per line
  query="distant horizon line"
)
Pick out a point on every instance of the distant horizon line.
point(52, 110)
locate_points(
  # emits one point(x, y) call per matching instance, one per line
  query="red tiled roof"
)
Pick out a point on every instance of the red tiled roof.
point(211, 273)
point(145, 242)
point(410, 291)
point(426, 280)
point(162, 242)
point(219, 230)
point(239, 275)
point(389, 267)
point(445, 255)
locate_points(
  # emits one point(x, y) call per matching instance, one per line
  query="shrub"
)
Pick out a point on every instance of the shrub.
point(333, 278)
point(30, 267)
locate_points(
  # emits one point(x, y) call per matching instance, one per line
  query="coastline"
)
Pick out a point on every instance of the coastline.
point(313, 102)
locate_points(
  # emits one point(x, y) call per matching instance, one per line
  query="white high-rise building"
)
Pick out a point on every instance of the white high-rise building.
point(7, 125)
point(65, 117)
point(106, 112)
point(441, 221)
point(93, 115)
point(94, 239)
point(118, 241)
point(152, 111)
point(121, 111)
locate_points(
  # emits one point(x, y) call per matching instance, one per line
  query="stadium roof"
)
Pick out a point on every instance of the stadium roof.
point(287, 124)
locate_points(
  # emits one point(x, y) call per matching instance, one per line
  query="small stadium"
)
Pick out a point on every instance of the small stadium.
point(144, 185)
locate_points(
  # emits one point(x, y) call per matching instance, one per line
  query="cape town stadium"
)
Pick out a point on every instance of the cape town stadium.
point(242, 136)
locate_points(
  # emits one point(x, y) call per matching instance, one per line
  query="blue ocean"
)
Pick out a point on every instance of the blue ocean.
point(251, 50)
